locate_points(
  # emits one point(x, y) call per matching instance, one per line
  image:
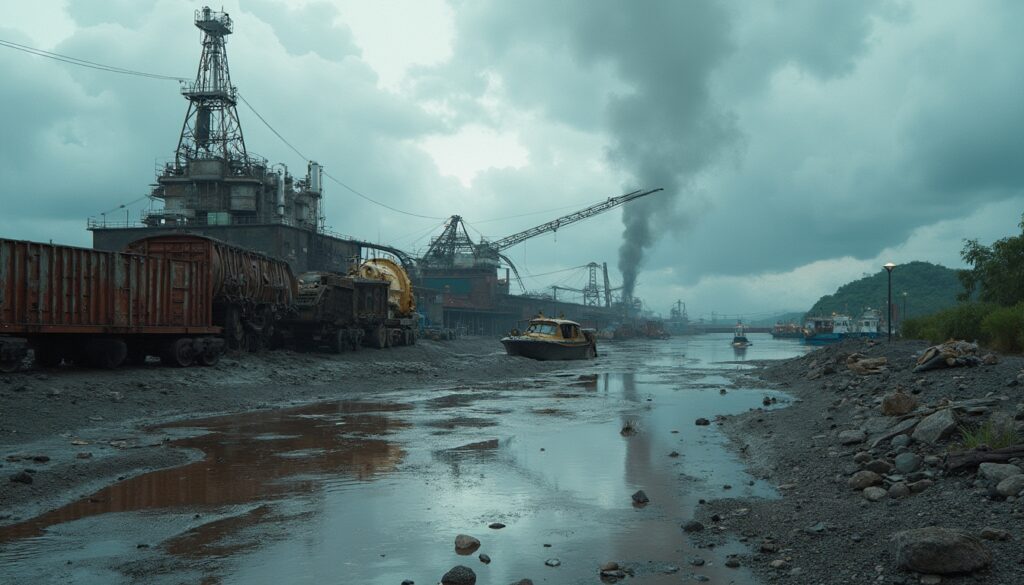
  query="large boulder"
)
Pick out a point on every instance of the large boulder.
point(898, 403)
point(465, 542)
point(935, 427)
point(459, 575)
point(863, 479)
point(997, 472)
point(1011, 486)
point(852, 437)
point(939, 551)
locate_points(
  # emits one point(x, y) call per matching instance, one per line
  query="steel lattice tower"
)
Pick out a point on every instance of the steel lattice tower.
point(211, 129)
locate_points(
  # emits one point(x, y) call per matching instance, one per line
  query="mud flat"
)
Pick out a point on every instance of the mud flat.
point(850, 480)
point(75, 430)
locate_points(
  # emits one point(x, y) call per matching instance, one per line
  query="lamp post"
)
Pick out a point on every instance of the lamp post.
point(888, 316)
point(903, 313)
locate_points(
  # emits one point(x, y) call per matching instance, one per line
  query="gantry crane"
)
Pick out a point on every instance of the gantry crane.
point(455, 249)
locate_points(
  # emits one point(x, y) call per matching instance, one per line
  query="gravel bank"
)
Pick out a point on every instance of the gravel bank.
point(845, 490)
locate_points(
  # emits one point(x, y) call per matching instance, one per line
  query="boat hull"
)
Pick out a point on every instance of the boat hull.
point(549, 350)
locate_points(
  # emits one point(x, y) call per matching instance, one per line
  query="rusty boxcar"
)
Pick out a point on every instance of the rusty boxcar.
point(102, 308)
point(251, 291)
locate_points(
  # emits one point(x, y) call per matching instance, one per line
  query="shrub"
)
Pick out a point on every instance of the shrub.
point(963, 321)
point(1004, 328)
point(988, 434)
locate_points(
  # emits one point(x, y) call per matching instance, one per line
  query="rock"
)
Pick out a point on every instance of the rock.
point(640, 498)
point(408, 582)
point(496, 525)
point(997, 472)
point(862, 457)
point(778, 564)
point(920, 485)
point(908, 462)
point(994, 534)
point(702, 422)
point(732, 562)
point(552, 562)
point(935, 427)
point(852, 437)
point(610, 566)
point(674, 454)
point(900, 441)
point(22, 477)
point(879, 466)
point(485, 559)
point(874, 493)
point(459, 575)
point(1011, 486)
point(863, 479)
point(990, 359)
point(697, 562)
point(899, 490)
point(898, 403)
point(523, 582)
point(817, 528)
point(465, 542)
point(693, 526)
point(930, 580)
point(941, 551)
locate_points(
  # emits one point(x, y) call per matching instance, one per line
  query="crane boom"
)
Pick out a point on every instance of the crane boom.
point(553, 225)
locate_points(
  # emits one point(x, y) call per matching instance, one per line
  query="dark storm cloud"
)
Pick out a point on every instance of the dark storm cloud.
point(311, 28)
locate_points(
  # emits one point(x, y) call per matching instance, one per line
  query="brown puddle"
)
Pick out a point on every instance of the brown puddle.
point(250, 457)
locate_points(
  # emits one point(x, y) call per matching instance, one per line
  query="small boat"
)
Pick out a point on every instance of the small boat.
point(552, 339)
point(739, 338)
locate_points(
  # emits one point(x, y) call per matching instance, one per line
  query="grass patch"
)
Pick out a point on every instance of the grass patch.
point(988, 434)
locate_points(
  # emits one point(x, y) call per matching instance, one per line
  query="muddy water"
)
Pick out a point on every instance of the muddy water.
point(375, 491)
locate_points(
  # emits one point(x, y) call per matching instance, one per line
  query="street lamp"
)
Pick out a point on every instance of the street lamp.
point(903, 313)
point(888, 318)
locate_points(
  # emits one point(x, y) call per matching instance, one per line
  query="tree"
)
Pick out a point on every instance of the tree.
point(997, 275)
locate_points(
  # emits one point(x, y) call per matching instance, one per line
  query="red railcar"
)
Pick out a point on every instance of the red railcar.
point(251, 291)
point(104, 307)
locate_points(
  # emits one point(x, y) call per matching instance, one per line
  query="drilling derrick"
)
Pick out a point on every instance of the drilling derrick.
point(211, 129)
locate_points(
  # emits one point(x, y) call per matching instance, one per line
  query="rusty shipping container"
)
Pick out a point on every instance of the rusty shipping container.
point(46, 288)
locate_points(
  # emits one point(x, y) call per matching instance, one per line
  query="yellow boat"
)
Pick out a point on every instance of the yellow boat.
point(552, 339)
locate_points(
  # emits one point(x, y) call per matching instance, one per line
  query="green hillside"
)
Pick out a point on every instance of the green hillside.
point(929, 288)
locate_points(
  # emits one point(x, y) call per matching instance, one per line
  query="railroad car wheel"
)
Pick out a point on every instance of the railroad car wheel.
point(210, 357)
point(340, 341)
point(47, 356)
point(106, 353)
point(178, 353)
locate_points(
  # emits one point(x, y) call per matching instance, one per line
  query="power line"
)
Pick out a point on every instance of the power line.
point(84, 63)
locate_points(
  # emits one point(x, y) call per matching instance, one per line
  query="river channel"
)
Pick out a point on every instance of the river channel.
point(374, 488)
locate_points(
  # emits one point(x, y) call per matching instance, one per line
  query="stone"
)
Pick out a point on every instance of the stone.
point(640, 498)
point(693, 526)
point(1011, 486)
point(879, 466)
point(523, 582)
point(697, 562)
point(935, 427)
point(496, 525)
point(459, 575)
point(552, 562)
point(930, 579)
point(702, 422)
point(852, 437)
point(940, 551)
point(485, 559)
point(465, 542)
point(900, 441)
point(610, 566)
point(408, 582)
point(732, 563)
point(874, 493)
point(898, 403)
point(22, 477)
point(920, 485)
point(997, 472)
point(899, 490)
point(862, 457)
point(908, 462)
point(778, 564)
point(994, 534)
point(674, 454)
point(863, 479)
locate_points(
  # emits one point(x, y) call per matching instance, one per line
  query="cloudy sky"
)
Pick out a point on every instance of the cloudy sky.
point(801, 144)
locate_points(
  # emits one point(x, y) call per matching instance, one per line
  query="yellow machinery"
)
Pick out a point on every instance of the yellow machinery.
point(400, 293)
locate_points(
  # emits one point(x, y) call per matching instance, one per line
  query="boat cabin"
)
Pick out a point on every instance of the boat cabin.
point(558, 328)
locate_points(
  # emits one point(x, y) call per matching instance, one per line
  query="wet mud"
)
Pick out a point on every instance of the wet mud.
point(375, 492)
